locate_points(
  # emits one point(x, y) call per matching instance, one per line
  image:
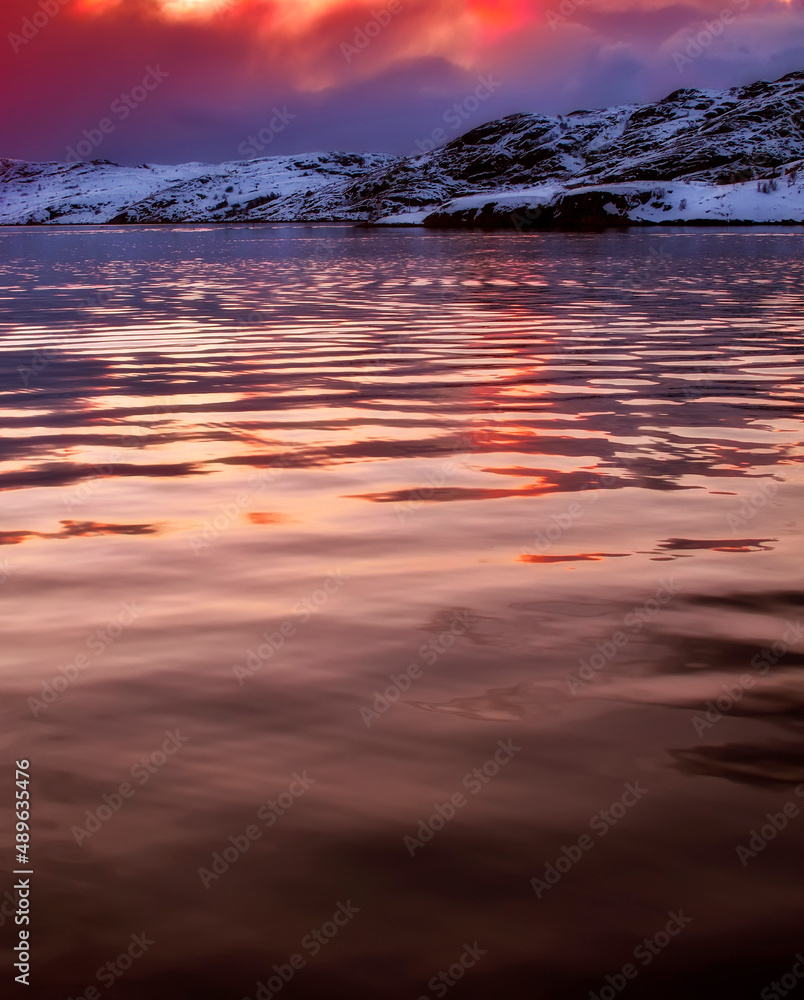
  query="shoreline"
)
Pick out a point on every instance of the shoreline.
point(500, 227)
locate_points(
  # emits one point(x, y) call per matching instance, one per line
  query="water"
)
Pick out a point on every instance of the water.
point(328, 518)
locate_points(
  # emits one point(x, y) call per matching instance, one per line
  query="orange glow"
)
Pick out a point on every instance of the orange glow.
point(267, 517)
point(308, 37)
point(95, 6)
point(306, 9)
point(491, 17)
point(500, 15)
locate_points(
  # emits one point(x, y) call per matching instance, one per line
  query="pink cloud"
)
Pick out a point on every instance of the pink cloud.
point(349, 84)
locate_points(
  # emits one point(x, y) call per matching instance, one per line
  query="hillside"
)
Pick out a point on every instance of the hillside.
point(696, 156)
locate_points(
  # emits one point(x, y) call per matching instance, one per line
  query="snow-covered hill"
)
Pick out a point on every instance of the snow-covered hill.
point(99, 191)
point(774, 201)
point(696, 156)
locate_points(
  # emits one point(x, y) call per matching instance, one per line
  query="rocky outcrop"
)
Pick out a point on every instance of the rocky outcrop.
point(588, 168)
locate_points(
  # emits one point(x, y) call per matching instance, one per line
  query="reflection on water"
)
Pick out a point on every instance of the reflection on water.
point(343, 512)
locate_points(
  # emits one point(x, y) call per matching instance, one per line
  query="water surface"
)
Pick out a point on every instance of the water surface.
point(348, 513)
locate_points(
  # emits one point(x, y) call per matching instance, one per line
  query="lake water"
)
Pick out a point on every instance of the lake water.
point(380, 603)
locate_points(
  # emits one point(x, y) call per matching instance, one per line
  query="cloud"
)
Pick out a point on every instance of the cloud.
point(363, 74)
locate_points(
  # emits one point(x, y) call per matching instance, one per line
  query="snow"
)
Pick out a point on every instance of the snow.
point(403, 219)
point(86, 193)
point(697, 156)
point(520, 198)
point(676, 203)
point(747, 202)
point(98, 191)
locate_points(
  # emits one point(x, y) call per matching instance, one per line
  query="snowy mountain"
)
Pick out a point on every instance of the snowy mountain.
point(696, 156)
point(99, 191)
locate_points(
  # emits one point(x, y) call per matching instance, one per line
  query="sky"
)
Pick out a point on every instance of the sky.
point(169, 81)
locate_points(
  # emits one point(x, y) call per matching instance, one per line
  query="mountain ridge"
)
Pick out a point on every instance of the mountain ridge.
point(694, 156)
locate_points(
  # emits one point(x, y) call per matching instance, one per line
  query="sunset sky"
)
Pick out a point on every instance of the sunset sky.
point(354, 75)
